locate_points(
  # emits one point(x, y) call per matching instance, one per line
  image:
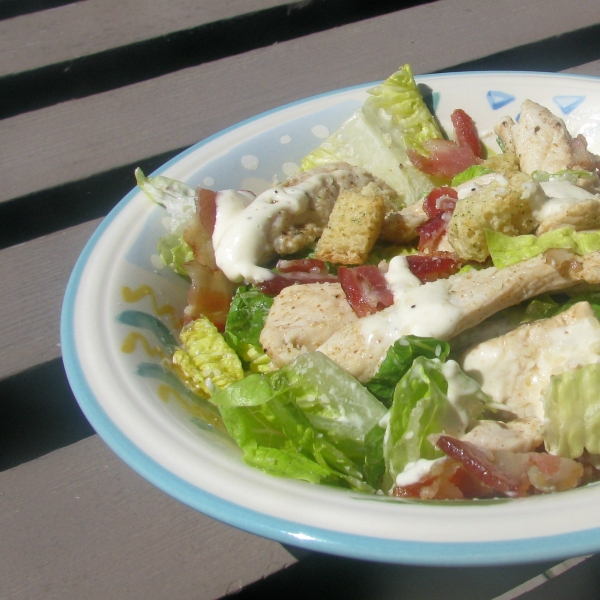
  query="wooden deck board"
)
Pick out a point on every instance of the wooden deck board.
point(78, 523)
point(76, 139)
point(68, 32)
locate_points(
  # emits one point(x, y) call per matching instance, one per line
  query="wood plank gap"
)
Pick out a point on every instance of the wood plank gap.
point(147, 59)
point(70, 204)
point(15, 8)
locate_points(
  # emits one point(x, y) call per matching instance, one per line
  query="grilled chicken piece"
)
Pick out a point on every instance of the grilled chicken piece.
point(446, 307)
point(302, 318)
point(515, 369)
point(541, 141)
point(520, 435)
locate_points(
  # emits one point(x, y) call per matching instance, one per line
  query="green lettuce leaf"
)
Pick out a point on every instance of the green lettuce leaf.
point(374, 465)
point(276, 436)
point(572, 412)
point(399, 359)
point(569, 175)
point(376, 137)
point(432, 398)
point(179, 199)
point(175, 252)
point(205, 362)
point(245, 320)
point(506, 250)
point(470, 173)
point(335, 403)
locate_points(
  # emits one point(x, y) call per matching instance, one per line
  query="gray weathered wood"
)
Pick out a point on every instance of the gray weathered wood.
point(78, 523)
point(34, 276)
point(68, 32)
point(79, 138)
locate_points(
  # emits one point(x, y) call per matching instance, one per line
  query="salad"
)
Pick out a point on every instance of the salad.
point(409, 314)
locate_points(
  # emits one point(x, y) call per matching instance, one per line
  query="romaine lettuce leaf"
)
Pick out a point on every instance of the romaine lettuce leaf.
point(179, 199)
point(569, 175)
point(276, 436)
point(572, 412)
point(393, 118)
point(175, 252)
point(245, 320)
point(506, 250)
point(398, 361)
point(205, 362)
point(335, 403)
point(432, 398)
point(470, 173)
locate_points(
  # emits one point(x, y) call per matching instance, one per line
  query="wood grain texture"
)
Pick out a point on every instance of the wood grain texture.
point(78, 524)
point(76, 139)
point(68, 32)
point(34, 276)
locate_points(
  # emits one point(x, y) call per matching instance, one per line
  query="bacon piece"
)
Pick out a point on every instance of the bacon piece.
point(210, 294)
point(206, 202)
point(440, 200)
point(366, 289)
point(465, 132)
point(432, 231)
point(431, 267)
point(280, 281)
point(479, 463)
point(439, 206)
point(446, 159)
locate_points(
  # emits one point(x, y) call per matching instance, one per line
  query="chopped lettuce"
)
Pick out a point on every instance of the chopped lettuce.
point(506, 250)
point(175, 252)
point(572, 411)
point(568, 175)
point(470, 173)
point(432, 398)
point(546, 306)
point(376, 137)
point(245, 320)
point(285, 422)
point(205, 362)
point(335, 403)
point(399, 359)
point(179, 199)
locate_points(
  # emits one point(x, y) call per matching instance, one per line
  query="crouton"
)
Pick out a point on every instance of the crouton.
point(504, 205)
point(353, 227)
point(503, 163)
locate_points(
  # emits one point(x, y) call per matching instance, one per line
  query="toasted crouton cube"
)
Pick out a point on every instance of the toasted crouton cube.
point(504, 205)
point(353, 227)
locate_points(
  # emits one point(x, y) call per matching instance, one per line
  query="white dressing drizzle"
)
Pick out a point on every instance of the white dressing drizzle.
point(416, 471)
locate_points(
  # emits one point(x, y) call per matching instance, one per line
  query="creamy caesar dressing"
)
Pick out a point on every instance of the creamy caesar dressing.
point(245, 237)
point(399, 277)
point(468, 188)
point(416, 471)
point(516, 368)
point(229, 204)
point(560, 195)
point(425, 311)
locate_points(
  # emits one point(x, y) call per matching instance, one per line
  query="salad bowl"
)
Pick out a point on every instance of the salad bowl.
point(122, 311)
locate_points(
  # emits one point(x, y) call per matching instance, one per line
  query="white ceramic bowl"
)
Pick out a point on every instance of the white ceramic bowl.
point(116, 297)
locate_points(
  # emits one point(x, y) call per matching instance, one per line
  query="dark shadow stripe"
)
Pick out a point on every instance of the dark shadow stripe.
point(111, 69)
point(550, 55)
point(38, 414)
point(70, 204)
point(15, 8)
